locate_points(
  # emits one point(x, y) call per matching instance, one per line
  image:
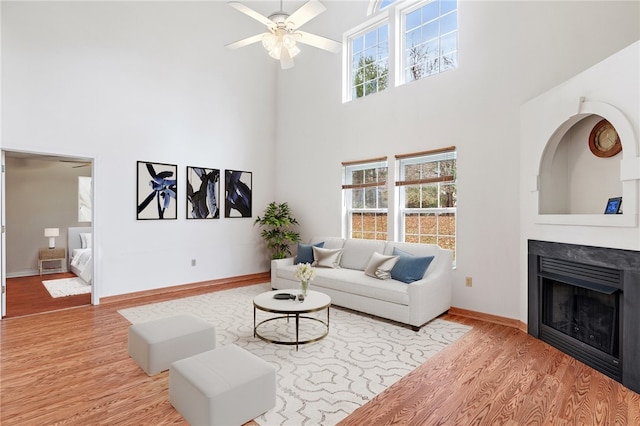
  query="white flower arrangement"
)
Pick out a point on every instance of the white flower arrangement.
point(305, 272)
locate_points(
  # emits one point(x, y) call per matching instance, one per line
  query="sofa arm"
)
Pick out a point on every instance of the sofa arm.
point(431, 296)
point(279, 263)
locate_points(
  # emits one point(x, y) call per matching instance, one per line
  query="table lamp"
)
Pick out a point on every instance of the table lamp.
point(52, 233)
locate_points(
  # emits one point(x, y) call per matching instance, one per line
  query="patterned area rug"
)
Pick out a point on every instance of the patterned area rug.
point(66, 287)
point(325, 381)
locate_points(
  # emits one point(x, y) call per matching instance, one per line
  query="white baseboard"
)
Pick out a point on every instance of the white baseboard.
point(31, 272)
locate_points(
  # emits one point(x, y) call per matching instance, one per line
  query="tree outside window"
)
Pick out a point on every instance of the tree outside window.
point(431, 39)
point(370, 62)
point(427, 43)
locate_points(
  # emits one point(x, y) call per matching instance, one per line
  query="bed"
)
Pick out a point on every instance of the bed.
point(79, 245)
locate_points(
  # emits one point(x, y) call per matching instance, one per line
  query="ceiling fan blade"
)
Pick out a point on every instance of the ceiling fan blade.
point(286, 61)
point(245, 41)
point(80, 163)
point(318, 41)
point(307, 12)
point(252, 13)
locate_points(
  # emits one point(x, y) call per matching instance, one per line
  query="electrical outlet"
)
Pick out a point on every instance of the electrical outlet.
point(193, 262)
point(468, 282)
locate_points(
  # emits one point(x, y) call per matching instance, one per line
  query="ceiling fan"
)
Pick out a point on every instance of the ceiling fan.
point(80, 163)
point(284, 33)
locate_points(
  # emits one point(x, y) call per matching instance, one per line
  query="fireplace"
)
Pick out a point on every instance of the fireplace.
point(585, 301)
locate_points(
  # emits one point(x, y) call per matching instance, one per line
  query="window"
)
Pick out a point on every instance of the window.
point(430, 39)
point(384, 3)
point(424, 42)
point(428, 196)
point(369, 53)
point(366, 198)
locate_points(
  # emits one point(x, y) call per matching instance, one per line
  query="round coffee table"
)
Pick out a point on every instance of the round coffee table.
point(314, 302)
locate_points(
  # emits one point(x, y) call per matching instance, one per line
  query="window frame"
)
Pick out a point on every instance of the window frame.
point(348, 186)
point(402, 183)
point(402, 10)
point(394, 15)
point(376, 6)
point(377, 21)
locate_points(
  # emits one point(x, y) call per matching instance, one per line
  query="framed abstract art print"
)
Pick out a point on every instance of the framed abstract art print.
point(156, 191)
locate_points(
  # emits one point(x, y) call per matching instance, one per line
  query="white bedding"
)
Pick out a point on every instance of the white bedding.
point(81, 264)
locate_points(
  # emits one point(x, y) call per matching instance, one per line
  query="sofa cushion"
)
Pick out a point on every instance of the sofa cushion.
point(353, 282)
point(358, 252)
point(305, 253)
point(326, 258)
point(329, 242)
point(409, 268)
point(413, 248)
point(380, 266)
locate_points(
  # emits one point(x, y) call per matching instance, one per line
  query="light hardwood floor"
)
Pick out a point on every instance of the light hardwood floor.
point(71, 367)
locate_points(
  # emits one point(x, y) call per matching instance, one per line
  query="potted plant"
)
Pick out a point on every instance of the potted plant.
point(276, 232)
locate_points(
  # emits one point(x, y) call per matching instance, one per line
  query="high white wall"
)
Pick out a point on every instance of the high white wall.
point(126, 81)
point(508, 53)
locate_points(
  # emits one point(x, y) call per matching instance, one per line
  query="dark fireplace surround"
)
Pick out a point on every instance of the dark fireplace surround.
point(597, 314)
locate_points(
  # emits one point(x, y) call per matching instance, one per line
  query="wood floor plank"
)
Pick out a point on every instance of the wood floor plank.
point(71, 367)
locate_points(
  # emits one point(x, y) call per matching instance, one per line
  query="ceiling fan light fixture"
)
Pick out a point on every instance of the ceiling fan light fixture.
point(293, 51)
point(276, 51)
point(280, 39)
point(269, 41)
point(288, 40)
point(281, 42)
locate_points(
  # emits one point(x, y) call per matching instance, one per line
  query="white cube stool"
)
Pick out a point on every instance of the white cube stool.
point(154, 345)
point(225, 386)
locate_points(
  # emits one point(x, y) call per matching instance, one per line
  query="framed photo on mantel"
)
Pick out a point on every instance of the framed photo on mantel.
point(614, 206)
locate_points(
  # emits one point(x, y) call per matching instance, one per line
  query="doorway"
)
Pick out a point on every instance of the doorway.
point(42, 202)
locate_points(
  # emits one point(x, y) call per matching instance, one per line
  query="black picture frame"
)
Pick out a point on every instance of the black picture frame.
point(203, 193)
point(156, 182)
point(614, 206)
point(237, 189)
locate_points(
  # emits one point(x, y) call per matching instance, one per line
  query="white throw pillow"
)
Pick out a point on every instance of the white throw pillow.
point(380, 266)
point(85, 240)
point(326, 258)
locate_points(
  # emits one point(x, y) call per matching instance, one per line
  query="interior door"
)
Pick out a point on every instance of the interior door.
point(3, 261)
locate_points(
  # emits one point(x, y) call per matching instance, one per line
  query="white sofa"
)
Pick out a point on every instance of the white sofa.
point(348, 286)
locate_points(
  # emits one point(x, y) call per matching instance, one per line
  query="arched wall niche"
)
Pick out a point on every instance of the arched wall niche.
point(574, 185)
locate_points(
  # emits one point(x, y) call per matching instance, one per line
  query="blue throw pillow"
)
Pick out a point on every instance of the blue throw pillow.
point(409, 268)
point(305, 252)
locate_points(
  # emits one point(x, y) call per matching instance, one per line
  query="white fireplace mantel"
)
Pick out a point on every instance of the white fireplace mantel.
point(553, 127)
point(554, 135)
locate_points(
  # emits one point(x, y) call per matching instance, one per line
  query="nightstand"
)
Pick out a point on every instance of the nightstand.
point(47, 255)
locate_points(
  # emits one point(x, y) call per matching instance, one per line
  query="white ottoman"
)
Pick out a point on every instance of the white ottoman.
point(154, 345)
point(225, 386)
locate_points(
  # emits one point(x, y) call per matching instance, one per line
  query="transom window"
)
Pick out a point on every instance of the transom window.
point(370, 62)
point(430, 39)
point(425, 40)
point(384, 3)
point(366, 198)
